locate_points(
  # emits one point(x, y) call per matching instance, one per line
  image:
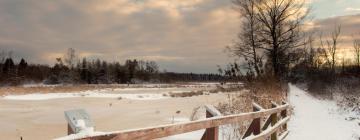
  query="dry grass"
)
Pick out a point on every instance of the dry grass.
point(187, 94)
point(219, 89)
point(260, 92)
point(52, 89)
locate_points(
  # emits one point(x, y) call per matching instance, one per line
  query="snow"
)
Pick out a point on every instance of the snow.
point(138, 93)
point(179, 119)
point(88, 94)
point(195, 135)
point(185, 136)
point(84, 131)
point(318, 119)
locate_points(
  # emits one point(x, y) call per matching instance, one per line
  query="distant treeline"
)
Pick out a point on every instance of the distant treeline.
point(71, 70)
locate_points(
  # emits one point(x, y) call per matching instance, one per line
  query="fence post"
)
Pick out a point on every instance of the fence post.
point(283, 115)
point(70, 131)
point(211, 133)
point(255, 126)
point(274, 120)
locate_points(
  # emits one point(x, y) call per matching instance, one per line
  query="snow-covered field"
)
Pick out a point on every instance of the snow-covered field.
point(113, 109)
point(30, 115)
point(315, 119)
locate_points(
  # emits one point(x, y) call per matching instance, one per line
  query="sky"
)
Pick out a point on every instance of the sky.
point(180, 35)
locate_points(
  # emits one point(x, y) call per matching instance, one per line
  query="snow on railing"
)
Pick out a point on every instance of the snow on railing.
point(274, 127)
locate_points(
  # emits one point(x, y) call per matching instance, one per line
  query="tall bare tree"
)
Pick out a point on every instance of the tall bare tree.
point(271, 27)
point(331, 46)
point(247, 45)
point(70, 58)
point(357, 52)
point(281, 23)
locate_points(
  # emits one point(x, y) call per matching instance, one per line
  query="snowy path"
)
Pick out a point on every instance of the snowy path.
point(315, 119)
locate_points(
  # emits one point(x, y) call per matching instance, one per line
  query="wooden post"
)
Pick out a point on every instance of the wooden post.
point(284, 115)
point(255, 126)
point(274, 120)
point(70, 131)
point(211, 133)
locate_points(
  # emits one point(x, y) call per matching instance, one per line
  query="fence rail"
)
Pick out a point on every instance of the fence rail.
point(276, 119)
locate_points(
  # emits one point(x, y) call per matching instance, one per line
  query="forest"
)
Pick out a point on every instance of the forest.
point(72, 70)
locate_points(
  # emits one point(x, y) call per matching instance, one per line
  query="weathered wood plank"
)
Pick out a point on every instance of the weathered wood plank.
point(254, 128)
point(211, 133)
point(283, 135)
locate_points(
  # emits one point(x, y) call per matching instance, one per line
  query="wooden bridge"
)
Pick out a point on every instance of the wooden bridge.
point(266, 124)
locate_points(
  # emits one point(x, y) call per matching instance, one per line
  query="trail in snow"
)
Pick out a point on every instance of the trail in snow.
point(315, 119)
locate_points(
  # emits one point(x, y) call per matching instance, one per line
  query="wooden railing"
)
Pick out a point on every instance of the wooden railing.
point(275, 122)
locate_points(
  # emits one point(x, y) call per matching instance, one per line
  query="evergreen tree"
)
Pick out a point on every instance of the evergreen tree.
point(8, 68)
point(22, 67)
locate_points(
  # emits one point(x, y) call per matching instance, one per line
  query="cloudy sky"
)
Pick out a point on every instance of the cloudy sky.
point(181, 35)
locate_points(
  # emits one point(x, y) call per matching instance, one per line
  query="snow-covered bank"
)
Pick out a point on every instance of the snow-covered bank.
point(319, 119)
point(37, 97)
point(141, 93)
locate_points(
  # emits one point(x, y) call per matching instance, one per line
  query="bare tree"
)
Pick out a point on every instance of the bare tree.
point(331, 47)
point(281, 23)
point(247, 45)
point(311, 52)
point(357, 52)
point(70, 58)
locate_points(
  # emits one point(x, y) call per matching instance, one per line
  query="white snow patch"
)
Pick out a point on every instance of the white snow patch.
point(318, 119)
point(179, 119)
point(49, 96)
point(84, 132)
point(88, 132)
point(195, 135)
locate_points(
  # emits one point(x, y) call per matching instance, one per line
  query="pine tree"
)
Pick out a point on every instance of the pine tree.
point(22, 67)
point(8, 68)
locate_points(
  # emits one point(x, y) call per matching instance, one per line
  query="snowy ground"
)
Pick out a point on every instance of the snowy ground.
point(30, 115)
point(117, 93)
point(319, 119)
point(313, 119)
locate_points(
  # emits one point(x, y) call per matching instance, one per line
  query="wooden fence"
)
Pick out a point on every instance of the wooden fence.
point(266, 124)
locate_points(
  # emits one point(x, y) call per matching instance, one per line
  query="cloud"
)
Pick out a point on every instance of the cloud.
point(123, 7)
point(184, 36)
point(181, 35)
point(350, 9)
point(173, 8)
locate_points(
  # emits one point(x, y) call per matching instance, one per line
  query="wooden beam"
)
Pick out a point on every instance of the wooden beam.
point(284, 115)
point(257, 107)
point(274, 120)
point(254, 128)
point(69, 130)
point(211, 133)
point(283, 135)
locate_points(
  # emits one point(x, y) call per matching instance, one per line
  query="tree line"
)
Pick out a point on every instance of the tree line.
point(72, 70)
